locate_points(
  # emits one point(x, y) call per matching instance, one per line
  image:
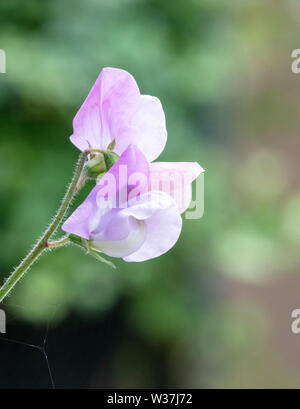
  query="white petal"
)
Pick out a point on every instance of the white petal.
point(162, 222)
point(121, 236)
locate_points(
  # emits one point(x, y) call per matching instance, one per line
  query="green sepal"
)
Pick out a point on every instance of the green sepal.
point(112, 145)
point(89, 249)
point(102, 259)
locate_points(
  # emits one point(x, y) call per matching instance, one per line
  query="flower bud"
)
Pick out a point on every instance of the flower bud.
point(100, 164)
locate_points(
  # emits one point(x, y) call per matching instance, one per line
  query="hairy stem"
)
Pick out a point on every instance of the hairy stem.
point(58, 243)
point(43, 243)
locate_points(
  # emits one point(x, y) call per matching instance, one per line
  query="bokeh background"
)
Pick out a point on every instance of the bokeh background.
point(216, 310)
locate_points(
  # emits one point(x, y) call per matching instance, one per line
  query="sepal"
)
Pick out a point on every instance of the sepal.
point(89, 249)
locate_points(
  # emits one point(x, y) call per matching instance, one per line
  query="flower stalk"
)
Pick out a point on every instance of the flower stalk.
point(58, 243)
point(43, 243)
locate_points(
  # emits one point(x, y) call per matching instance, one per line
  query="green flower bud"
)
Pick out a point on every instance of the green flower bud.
point(100, 163)
point(95, 166)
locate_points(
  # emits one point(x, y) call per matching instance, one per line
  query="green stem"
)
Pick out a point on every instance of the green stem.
point(43, 243)
point(58, 243)
point(96, 150)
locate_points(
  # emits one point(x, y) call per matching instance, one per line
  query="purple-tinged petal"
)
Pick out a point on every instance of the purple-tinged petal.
point(146, 129)
point(79, 221)
point(175, 179)
point(130, 174)
point(111, 103)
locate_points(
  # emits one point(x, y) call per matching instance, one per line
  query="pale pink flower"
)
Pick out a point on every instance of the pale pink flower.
point(124, 217)
point(134, 210)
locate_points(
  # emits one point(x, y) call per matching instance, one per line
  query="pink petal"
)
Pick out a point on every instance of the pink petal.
point(79, 221)
point(105, 113)
point(147, 129)
point(131, 163)
point(175, 179)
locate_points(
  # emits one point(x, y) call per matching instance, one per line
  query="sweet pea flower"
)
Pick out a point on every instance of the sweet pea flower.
point(134, 211)
point(116, 112)
point(134, 216)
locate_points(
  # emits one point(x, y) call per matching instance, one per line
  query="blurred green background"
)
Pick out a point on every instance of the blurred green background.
point(216, 310)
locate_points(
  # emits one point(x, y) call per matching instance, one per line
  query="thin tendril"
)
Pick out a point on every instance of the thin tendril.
point(58, 243)
point(42, 347)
